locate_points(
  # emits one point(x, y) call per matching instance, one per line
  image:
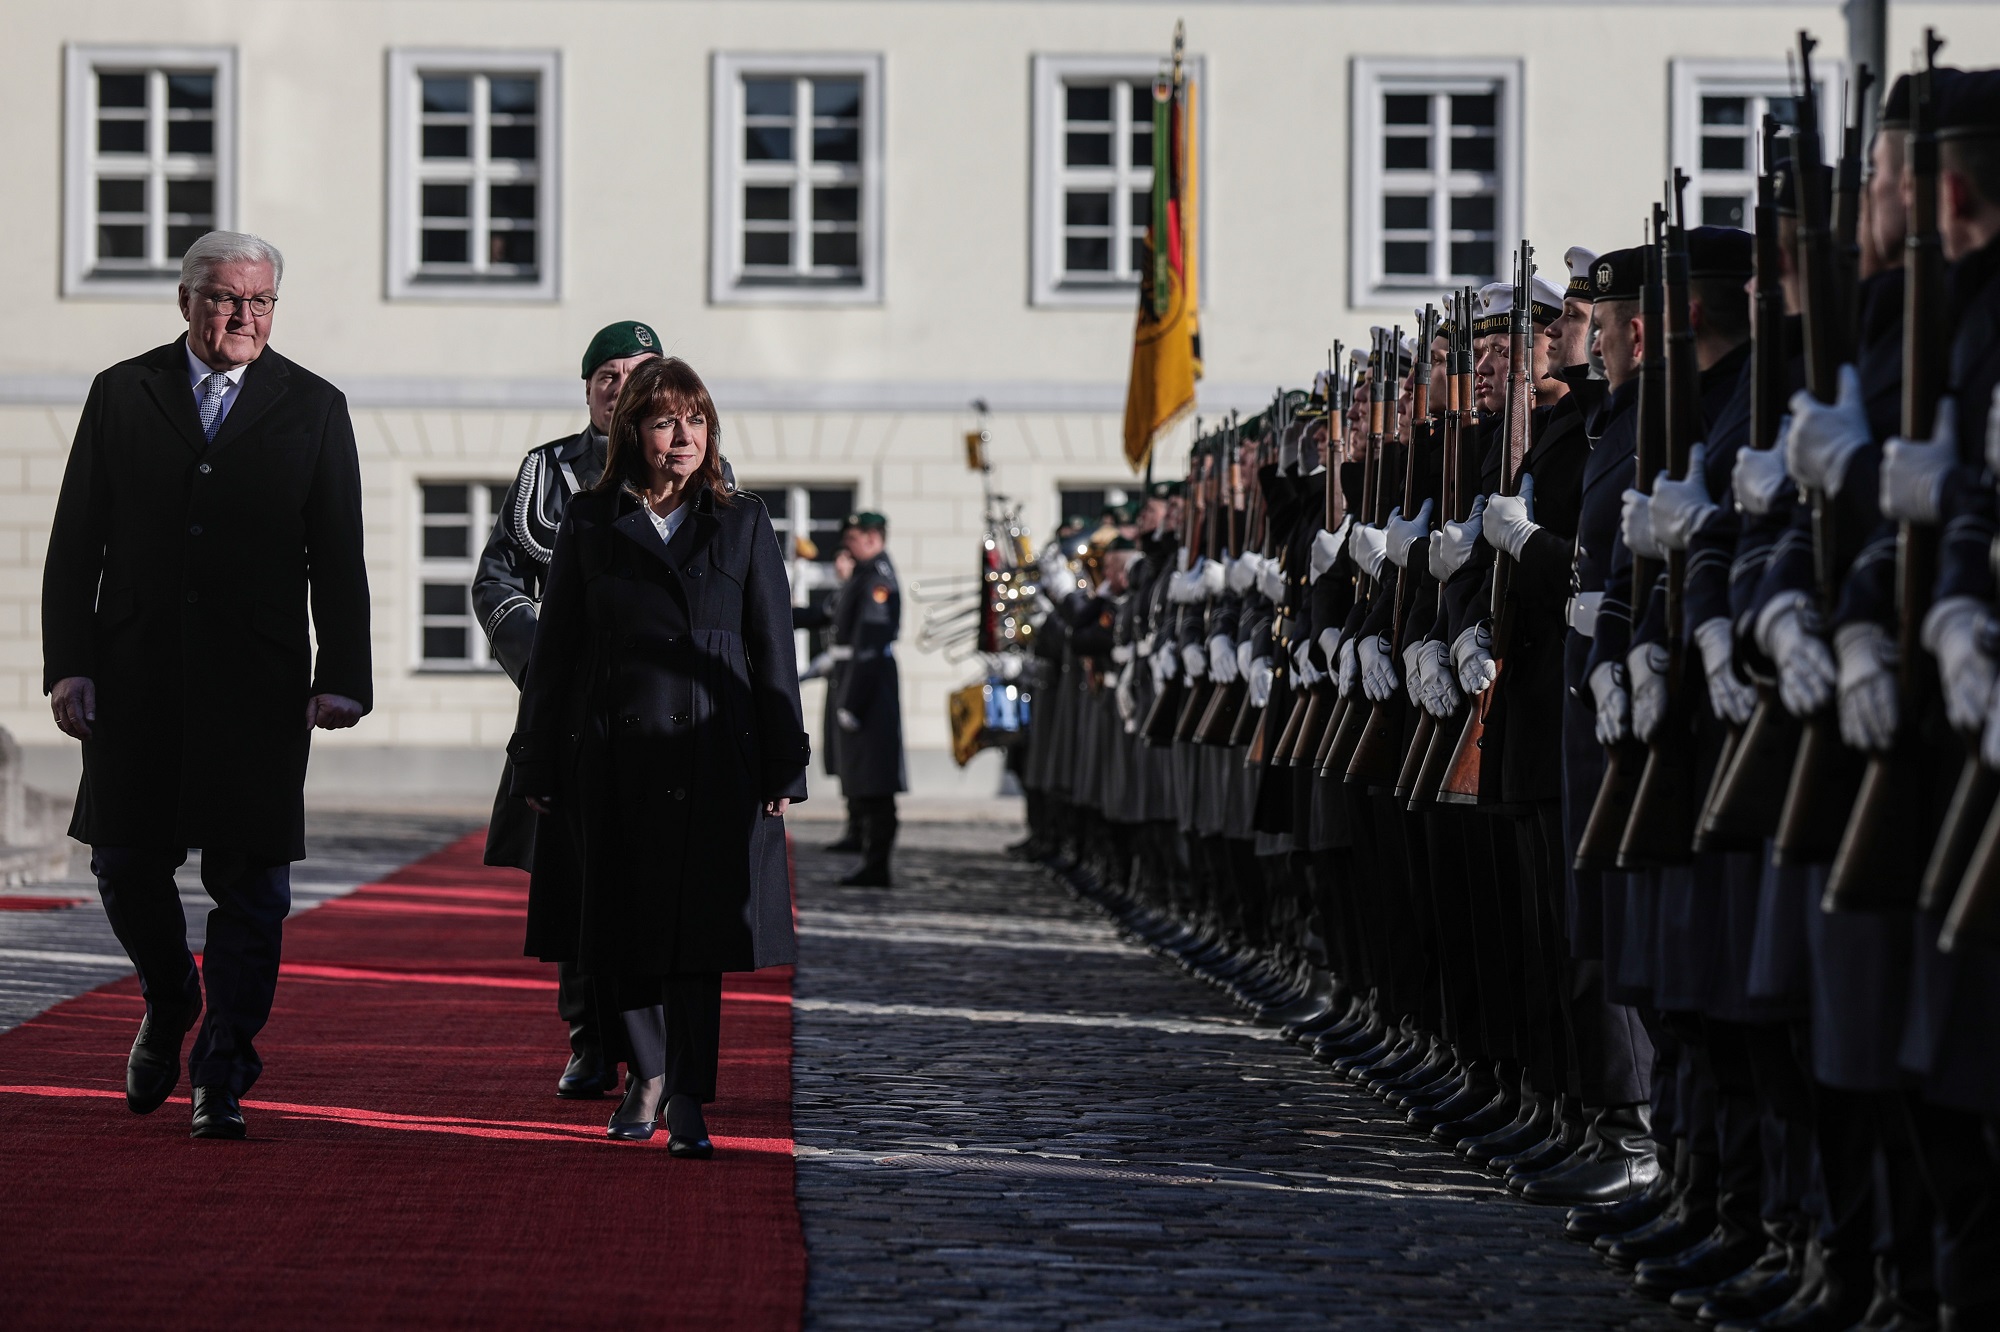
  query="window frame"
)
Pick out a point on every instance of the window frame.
point(1690, 79)
point(1374, 77)
point(726, 281)
point(403, 222)
point(480, 518)
point(1052, 75)
point(82, 60)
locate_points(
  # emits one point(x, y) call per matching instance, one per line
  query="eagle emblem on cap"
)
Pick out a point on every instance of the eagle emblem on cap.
point(1603, 276)
point(642, 335)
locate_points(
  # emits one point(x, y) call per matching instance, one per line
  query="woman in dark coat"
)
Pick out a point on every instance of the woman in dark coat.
point(661, 716)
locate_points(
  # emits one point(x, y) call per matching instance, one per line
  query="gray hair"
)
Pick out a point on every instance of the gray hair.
point(216, 248)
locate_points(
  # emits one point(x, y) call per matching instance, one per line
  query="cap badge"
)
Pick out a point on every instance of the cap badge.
point(642, 335)
point(1604, 277)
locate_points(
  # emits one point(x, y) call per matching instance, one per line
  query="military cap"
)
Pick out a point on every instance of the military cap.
point(1617, 276)
point(1895, 113)
point(627, 338)
point(1721, 252)
point(1579, 261)
point(867, 521)
point(1968, 104)
point(1166, 490)
point(1496, 306)
point(1121, 543)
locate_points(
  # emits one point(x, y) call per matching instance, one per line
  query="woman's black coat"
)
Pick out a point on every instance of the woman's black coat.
point(661, 709)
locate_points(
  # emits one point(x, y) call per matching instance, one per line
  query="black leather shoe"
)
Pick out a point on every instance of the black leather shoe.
point(1587, 1223)
point(1832, 1303)
point(1675, 1230)
point(1720, 1256)
point(639, 1113)
point(1751, 1293)
point(1529, 1127)
point(1475, 1094)
point(1498, 1112)
point(153, 1069)
point(687, 1134)
point(866, 877)
point(1611, 1178)
point(217, 1114)
point(587, 1077)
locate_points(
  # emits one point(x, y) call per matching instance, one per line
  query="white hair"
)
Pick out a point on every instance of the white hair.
point(216, 248)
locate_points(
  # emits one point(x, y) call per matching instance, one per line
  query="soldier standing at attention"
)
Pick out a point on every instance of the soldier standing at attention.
point(506, 595)
point(869, 710)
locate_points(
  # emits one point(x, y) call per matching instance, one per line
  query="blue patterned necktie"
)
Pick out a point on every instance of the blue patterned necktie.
point(212, 389)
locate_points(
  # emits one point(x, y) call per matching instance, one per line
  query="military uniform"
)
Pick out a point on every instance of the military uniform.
point(867, 620)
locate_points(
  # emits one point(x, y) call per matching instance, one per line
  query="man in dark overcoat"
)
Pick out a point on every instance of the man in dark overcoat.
point(866, 622)
point(212, 495)
point(506, 596)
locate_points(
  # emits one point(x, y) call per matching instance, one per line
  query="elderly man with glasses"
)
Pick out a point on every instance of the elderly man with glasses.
point(212, 497)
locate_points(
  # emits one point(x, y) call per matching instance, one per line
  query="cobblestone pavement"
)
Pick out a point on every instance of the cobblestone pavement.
point(1008, 1117)
point(49, 955)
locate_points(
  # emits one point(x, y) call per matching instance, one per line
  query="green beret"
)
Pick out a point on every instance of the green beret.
point(615, 341)
point(868, 521)
point(1166, 490)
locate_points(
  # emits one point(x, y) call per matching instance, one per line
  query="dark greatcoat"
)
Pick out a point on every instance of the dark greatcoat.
point(661, 710)
point(178, 577)
point(866, 620)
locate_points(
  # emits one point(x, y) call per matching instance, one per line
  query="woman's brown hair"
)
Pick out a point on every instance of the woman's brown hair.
point(660, 382)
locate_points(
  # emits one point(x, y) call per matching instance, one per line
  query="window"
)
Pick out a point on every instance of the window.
point(1437, 169)
point(796, 203)
point(816, 513)
point(1084, 505)
point(1093, 175)
point(150, 147)
point(1718, 116)
point(457, 518)
point(472, 175)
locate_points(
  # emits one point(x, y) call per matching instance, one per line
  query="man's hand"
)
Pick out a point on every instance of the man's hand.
point(1680, 508)
point(331, 712)
point(848, 721)
point(542, 804)
point(1760, 477)
point(74, 702)
point(1825, 436)
point(776, 808)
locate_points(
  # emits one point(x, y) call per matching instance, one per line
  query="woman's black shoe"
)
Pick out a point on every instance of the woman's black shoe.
point(639, 1112)
point(687, 1133)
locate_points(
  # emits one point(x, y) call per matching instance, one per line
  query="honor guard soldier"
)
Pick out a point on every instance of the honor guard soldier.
point(869, 710)
point(506, 596)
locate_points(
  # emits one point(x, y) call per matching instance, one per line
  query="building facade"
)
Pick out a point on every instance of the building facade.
point(854, 217)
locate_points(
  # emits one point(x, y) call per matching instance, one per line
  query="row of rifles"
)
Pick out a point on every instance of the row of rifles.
point(1789, 784)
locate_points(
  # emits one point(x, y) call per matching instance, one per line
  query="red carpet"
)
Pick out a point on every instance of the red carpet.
point(409, 1163)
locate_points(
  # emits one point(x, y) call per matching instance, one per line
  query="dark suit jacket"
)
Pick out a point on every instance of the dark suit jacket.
point(178, 578)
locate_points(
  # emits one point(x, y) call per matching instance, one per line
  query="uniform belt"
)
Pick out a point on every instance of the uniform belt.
point(840, 652)
point(1581, 612)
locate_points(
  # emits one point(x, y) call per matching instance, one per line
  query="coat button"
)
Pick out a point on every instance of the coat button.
point(680, 719)
point(680, 793)
point(195, 530)
point(694, 571)
point(194, 596)
point(205, 469)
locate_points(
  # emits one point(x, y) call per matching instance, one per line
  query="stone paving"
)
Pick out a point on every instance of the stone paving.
point(1009, 1117)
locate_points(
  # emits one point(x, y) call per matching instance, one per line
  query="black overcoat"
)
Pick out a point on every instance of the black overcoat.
point(866, 620)
point(178, 579)
point(661, 709)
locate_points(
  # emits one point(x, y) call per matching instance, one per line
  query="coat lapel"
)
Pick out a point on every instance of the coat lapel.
point(168, 385)
point(263, 385)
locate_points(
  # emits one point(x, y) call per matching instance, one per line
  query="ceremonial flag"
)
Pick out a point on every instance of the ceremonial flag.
point(1166, 344)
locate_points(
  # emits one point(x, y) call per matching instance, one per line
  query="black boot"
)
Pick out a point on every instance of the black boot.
point(588, 1075)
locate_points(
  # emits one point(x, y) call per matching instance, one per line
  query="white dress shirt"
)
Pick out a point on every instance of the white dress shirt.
point(198, 370)
point(670, 524)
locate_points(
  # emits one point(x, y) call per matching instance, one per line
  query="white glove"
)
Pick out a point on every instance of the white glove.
point(1679, 508)
point(848, 721)
point(1825, 437)
point(1308, 676)
point(1867, 684)
point(1760, 477)
point(1329, 642)
point(1806, 671)
point(1222, 660)
point(1957, 632)
point(1472, 655)
point(1246, 652)
point(1259, 676)
point(1413, 680)
point(1583, 612)
point(1214, 579)
point(1184, 587)
point(817, 667)
point(1636, 522)
point(1243, 572)
point(1646, 667)
point(1607, 687)
point(1194, 661)
point(1402, 533)
point(1439, 681)
point(1509, 520)
point(1348, 669)
point(1370, 547)
point(1121, 653)
point(1271, 582)
point(1913, 470)
point(1302, 658)
point(1326, 546)
point(1166, 664)
point(1728, 697)
point(1452, 543)
point(1378, 668)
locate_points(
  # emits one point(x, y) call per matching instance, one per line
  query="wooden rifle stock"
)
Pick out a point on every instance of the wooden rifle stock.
point(1413, 760)
point(1974, 916)
point(1437, 738)
point(1374, 760)
point(1972, 802)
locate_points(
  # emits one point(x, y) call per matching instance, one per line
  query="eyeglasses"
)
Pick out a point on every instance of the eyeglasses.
point(228, 304)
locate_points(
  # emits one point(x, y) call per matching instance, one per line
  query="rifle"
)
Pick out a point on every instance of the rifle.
point(1747, 792)
point(1158, 728)
point(1660, 828)
point(1343, 735)
point(1443, 427)
point(1882, 860)
point(1302, 700)
point(1199, 691)
point(1376, 760)
point(1218, 721)
point(1328, 712)
point(1249, 727)
point(1624, 763)
point(1469, 774)
point(1827, 774)
point(1461, 464)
